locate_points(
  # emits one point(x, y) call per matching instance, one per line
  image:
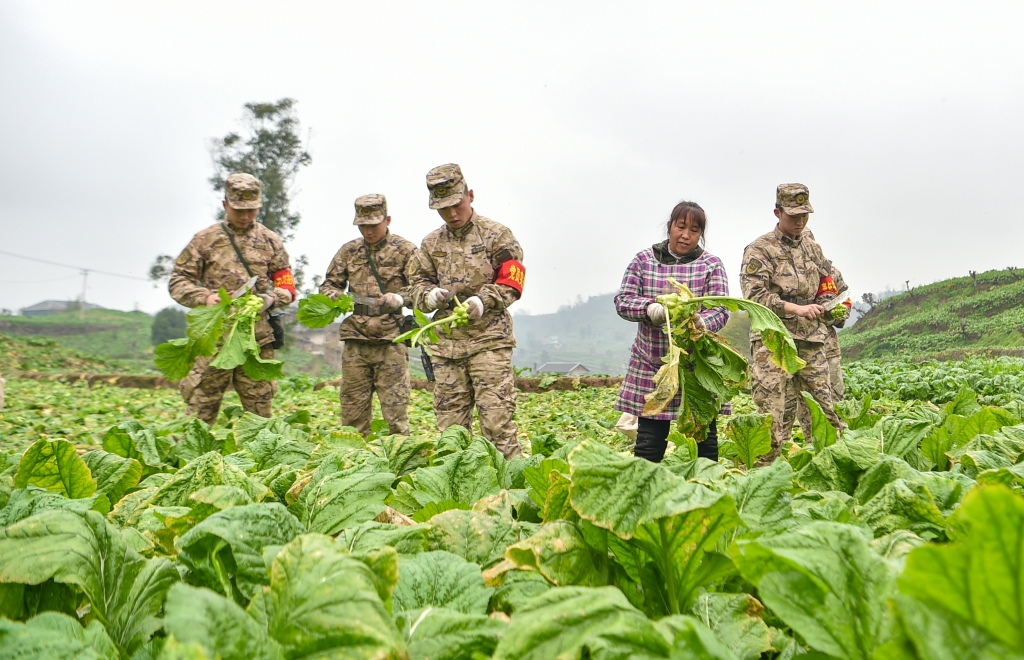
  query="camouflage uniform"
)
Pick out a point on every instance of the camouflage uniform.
point(777, 269)
point(472, 365)
point(832, 355)
point(209, 263)
point(370, 362)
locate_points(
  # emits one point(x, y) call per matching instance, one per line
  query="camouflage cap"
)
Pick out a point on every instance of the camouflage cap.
point(446, 185)
point(794, 198)
point(243, 191)
point(371, 210)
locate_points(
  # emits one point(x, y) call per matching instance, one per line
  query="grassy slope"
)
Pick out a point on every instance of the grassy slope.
point(130, 341)
point(43, 354)
point(944, 320)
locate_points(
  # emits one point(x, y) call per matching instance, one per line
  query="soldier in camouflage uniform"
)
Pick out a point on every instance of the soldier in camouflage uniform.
point(785, 271)
point(209, 263)
point(832, 353)
point(479, 262)
point(372, 269)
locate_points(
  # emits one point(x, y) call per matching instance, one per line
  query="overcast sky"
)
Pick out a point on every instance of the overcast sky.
point(578, 125)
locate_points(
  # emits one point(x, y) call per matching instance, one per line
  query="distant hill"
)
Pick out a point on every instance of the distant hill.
point(591, 333)
point(45, 355)
point(104, 333)
point(944, 320)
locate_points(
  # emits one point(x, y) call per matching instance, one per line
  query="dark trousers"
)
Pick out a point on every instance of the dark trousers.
point(651, 440)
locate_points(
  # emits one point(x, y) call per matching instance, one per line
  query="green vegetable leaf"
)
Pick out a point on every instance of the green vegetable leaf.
point(735, 619)
point(575, 622)
point(126, 591)
point(478, 536)
point(55, 466)
point(824, 581)
point(443, 634)
point(174, 358)
point(318, 311)
point(966, 599)
point(674, 522)
point(440, 579)
point(752, 435)
point(257, 368)
point(217, 624)
point(114, 474)
point(823, 434)
point(322, 602)
point(345, 495)
point(225, 551)
point(373, 535)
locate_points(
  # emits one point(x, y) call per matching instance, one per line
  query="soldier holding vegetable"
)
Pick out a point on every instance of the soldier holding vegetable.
point(832, 353)
point(683, 258)
point(478, 262)
point(373, 270)
point(786, 271)
point(225, 256)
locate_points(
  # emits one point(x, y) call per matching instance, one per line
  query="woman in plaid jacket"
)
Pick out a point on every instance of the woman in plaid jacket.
point(682, 258)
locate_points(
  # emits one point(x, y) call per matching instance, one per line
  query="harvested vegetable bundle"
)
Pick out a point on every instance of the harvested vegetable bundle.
point(425, 333)
point(234, 321)
point(702, 365)
point(318, 311)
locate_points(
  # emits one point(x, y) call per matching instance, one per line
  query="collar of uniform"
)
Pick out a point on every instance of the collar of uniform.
point(239, 232)
point(381, 243)
point(461, 232)
point(786, 240)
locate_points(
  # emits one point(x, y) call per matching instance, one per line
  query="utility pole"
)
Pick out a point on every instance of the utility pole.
point(81, 305)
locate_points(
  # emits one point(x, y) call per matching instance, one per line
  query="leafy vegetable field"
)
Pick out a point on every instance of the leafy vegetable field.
point(128, 532)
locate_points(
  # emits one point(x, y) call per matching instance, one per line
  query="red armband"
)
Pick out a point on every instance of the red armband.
point(513, 274)
point(827, 287)
point(283, 279)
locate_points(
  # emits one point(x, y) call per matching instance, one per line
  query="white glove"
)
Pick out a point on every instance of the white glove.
point(268, 301)
point(391, 302)
point(436, 298)
point(474, 307)
point(698, 322)
point(656, 312)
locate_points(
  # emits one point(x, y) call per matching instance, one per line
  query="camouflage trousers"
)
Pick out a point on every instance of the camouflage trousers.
point(486, 380)
point(835, 377)
point(371, 367)
point(776, 393)
point(203, 389)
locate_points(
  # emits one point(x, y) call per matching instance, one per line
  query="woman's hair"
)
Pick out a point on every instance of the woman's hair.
point(687, 211)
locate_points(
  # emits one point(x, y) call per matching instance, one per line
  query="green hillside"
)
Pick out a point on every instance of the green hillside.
point(104, 333)
point(45, 355)
point(944, 320)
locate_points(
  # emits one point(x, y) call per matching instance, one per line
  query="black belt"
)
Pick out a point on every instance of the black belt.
point(367, 310)
point(798, 301)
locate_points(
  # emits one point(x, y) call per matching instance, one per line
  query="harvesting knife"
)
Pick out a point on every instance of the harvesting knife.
point(365, 300)
point(245, 287)
point(832, 304)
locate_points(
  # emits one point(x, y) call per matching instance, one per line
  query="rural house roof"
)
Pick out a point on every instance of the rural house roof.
point(561, 368)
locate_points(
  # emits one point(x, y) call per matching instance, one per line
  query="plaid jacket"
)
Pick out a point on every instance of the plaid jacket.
point(645, 279)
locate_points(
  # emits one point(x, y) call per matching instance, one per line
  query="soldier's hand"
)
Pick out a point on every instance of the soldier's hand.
point(391, 302)
point(656, 312)
point(810, 311)
point(474, 307)
point(698, 322)
point(436, 298)
point(268, 302)
point(212, 299)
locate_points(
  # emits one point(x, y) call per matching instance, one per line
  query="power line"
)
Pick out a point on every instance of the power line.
point(78, 268)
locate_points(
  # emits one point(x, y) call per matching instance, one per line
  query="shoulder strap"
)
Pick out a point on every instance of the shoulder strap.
point(237, 251)
point(373, 267)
